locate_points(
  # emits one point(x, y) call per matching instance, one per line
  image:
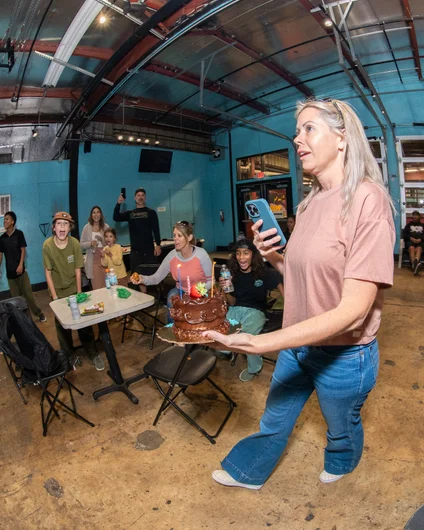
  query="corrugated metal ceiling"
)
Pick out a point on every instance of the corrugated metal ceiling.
point(286, 32)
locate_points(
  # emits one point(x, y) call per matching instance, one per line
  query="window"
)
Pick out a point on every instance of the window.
point(375, 148)
point(414, 198)
point(412, 148)
point(411, 170)
point(262, 166)
point(5, 204)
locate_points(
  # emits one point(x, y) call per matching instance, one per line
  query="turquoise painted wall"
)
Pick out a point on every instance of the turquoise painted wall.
point(194, 185)
point(37, 190)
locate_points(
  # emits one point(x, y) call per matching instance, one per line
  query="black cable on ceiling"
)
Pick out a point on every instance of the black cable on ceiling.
point(15, 99)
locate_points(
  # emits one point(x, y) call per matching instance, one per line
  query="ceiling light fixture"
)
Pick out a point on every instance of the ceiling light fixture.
point(120, 137)
point(157, 142)
point(82, 21)
point(102, 19)
point(146, 141)
point(130, 138)
point(328, 23)
point(34, 133)
point(139, 140)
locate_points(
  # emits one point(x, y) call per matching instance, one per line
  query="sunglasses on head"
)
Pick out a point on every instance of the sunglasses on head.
point(184, 223)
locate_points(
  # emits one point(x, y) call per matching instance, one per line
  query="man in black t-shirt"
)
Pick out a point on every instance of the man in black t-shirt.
point(143, 225)
point(13, 246)
point(413, 235)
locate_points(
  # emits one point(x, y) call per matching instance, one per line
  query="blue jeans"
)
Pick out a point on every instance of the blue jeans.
point(342, 377)
point(252, 321)
point(172, 292)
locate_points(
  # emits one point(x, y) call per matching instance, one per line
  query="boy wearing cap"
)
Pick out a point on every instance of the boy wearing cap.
point(13, 246)
point(143, 225)
point(63, 262)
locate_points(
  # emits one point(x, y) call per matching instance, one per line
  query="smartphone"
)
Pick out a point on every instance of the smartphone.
point(259, 209)
point(124, 193)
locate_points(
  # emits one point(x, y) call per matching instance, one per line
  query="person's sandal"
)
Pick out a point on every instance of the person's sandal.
point(98, 363)
point(246, 376)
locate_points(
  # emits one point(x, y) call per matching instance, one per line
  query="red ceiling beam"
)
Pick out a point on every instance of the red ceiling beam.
point(267, 63)
point(213, 86)
point(412, 37)
point(30, 92)
point(140, 49)
point(139, 103)
point(91, 52)
point(319, 17)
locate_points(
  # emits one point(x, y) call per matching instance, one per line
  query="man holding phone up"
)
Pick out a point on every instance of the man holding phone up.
point(143, 225)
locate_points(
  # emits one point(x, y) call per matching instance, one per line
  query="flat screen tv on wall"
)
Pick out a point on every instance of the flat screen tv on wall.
point(152, 161)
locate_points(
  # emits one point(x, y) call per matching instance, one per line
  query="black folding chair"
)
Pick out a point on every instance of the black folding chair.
point(30, 351)
point(21, 303)
point(181, 367)
point(157, 292)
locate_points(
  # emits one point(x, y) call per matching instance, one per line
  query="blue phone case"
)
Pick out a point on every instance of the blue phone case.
point(259, 209)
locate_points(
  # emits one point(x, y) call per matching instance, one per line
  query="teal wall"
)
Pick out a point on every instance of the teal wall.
point(37, 190)
point(197, 185)
point(195, 190)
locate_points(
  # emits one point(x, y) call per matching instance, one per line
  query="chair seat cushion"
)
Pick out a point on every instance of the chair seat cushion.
point(197, 367)
point(274, 322)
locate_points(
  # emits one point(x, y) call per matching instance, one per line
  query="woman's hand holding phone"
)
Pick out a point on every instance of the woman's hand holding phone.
point(270, 245)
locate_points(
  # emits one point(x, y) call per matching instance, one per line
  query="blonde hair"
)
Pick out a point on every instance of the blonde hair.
point(186, 229)
point(359, 162)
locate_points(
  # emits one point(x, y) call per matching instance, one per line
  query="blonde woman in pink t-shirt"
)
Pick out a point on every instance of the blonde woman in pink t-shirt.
point(336, 266)
point(193, 263)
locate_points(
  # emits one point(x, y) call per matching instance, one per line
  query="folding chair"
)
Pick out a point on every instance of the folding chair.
point(21, 303)
point(158, 293)
point(31, 351)
point(181, 367)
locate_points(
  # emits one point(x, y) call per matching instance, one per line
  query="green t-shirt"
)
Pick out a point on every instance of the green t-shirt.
point(62, 264)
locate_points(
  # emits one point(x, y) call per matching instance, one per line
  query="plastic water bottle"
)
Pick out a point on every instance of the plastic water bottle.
point(226, 275)
point(113, 280)
point(107, 279)
point(73, 304)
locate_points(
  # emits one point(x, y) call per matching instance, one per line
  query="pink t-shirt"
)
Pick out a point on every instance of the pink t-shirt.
point(322, 252)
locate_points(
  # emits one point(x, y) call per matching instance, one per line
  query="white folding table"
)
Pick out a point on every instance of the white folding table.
point(114, 307)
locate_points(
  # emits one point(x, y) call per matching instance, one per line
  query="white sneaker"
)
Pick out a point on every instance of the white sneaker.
point(224, 478)
point(327, 478)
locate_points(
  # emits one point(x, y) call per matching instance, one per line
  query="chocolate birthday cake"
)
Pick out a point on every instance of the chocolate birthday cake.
point(194, 314)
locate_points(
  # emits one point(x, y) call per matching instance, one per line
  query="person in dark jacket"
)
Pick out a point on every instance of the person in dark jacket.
point(413, 235)
point(143, 225)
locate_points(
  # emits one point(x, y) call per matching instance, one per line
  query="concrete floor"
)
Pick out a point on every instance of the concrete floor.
point(80, 477)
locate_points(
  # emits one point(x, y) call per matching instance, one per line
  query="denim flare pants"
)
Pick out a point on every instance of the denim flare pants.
point(342, 377)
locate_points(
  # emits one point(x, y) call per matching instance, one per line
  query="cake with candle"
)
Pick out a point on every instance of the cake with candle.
point(197, 311)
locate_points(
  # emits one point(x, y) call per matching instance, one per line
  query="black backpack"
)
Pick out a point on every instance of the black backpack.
point(32, 351)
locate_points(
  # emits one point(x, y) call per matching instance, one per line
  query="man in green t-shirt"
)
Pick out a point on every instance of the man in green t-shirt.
point(63, 262)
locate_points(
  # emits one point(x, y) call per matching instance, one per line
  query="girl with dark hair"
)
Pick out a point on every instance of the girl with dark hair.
point(247, 303)
point(92, 240)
